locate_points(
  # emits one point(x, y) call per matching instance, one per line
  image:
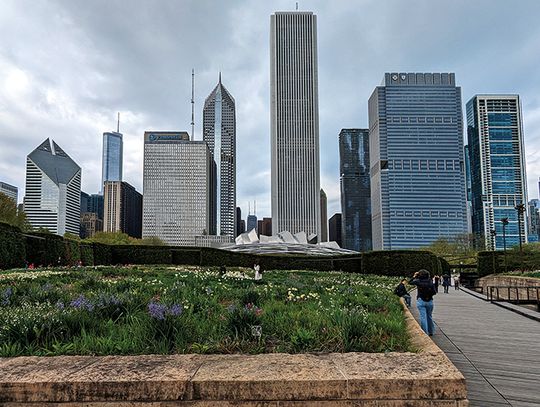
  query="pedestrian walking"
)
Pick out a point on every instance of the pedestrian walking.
point(424, 300)
point(436, 281)
point(446, 282)
point(456, 283)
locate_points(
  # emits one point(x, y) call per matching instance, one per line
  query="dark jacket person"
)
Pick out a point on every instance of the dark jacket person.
point(424, 299)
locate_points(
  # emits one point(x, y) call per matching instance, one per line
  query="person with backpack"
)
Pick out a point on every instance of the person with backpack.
point(424, 300)
point(401, 291)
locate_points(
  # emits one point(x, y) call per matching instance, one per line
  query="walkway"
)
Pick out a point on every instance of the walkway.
point(497, 350)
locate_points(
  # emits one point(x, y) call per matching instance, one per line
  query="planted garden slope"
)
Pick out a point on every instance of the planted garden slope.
point(147, 310)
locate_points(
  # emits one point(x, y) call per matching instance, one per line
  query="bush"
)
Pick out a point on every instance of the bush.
point(102, 254)
point(12, 247)
point(46, 249)
point(129, 254)
point(87, 254)
point(189, 256)
point(73, 252)
point(399, 262)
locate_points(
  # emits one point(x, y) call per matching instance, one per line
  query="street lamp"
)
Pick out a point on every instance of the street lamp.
point(504, 222)
point(520, 208)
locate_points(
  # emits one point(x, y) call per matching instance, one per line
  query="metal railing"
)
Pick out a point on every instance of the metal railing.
point(514, 294)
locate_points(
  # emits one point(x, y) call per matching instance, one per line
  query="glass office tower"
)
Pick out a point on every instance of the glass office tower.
point(416, 160)
point(498, 178)
point(112, 157)
point(355, 189)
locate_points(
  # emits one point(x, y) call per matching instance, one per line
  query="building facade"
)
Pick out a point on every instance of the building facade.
point(122, 209)
point(498, 176)
point(219, 132)
point(113, 147)
point(324, 217)
point(417, 173)
point(534, 221)
point(251, 223)
point(294, 119)
point(9, 190)
point(53, 190)
point(238, 220)
point(90, 225)
point(178, 188)
point(334, 228)
point(355, 189)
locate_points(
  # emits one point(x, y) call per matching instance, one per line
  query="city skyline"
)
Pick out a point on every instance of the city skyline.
point(77, 101)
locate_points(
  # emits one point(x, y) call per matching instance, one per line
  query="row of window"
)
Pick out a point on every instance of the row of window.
point(422, 119)
point(425, 214)
point(423, 165)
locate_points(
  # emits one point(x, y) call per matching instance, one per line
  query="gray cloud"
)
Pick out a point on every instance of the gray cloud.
point(67, 67)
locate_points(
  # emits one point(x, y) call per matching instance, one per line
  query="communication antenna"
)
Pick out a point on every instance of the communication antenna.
point(255, 208)
point(296, 6)
point(118, 123)
point(193, 104)
point(249, 208)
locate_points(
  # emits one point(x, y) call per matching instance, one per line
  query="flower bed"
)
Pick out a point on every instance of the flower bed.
point(146, 310)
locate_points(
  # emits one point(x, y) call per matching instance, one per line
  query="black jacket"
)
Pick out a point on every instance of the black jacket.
point(426, 289)
point(400, 290)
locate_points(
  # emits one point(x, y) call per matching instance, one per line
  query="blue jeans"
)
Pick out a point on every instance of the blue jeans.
point(407, 299)
point(425, 309)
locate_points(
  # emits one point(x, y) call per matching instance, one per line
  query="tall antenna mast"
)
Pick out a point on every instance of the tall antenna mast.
point(118, 123)
point(255, 207)
point(249, 208)
point(296, 6)
point(193, 104)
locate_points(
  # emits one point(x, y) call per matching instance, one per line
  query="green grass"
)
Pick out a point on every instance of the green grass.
point(162, 310)
point(533, 274)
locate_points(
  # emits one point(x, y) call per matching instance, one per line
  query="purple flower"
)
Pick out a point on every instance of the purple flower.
point(105, 300)
point(60, 305)
point(157, 311)
point(82, 303)
point(176, 310)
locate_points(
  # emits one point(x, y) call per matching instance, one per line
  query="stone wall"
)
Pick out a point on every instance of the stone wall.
point(513, 281)
point(422, 379)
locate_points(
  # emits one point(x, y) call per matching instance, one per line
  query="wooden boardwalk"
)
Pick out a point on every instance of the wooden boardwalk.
point(497, 350)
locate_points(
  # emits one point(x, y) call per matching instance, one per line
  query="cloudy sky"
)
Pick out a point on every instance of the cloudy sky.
point(67, 67)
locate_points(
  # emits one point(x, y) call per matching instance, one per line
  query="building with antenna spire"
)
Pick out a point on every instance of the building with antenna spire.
point(112, 155)
point(219, 132)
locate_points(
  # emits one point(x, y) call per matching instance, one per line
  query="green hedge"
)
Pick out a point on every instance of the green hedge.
point(87, 254)
point(102, 254)
point(400, 262)
point(73, 252)
point(490, 262)
point(46, 249)
point(12, 247)
point(135, 254)
point(188, 256)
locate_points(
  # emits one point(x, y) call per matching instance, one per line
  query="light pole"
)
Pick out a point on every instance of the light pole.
point(520, 208)
point(504, 222)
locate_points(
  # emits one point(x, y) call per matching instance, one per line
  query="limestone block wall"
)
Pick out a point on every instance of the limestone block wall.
point(422, 379)
point(514, 281)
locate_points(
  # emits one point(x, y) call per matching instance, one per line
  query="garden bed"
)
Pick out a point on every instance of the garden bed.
point(175, 310)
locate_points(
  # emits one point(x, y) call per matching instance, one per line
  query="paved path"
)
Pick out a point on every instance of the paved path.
point(497, 350)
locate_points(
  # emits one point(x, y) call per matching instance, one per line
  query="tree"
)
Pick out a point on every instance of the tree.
point(10, 215)
point(110, 238)
point(151, 241)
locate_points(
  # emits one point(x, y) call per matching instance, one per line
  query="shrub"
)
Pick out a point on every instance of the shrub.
point(46, 249)
point(73, 252)
point(130, 254)
point(189, 256)
point(87, 254)
point(399, 262)
point(102, 254)
point(12, 247)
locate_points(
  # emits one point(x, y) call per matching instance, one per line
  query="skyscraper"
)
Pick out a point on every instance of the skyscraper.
point(112, 157)
point(324, 217)
point(178, 188)
point(294, 119)
point(416, 160)
point(334, 228)
point(252, 223)
point(498, 177)
point(53, 189)
point(9, 190)
point(219, 132)
point(239, 229)
point(355, 189)
point(122, 208)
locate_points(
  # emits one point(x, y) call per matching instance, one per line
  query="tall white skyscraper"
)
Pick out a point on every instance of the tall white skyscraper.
point(178, 188)
point(219, 132)
point(294, 123)
point(53, 189)
point(112, 157)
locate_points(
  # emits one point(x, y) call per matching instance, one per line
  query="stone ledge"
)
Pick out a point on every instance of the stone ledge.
point(422, 379)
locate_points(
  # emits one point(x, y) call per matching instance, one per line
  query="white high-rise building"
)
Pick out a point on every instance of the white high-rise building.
point(178, 188)
point(294, 123)
point(9, 190)
point(219, 132)
point(53, 190)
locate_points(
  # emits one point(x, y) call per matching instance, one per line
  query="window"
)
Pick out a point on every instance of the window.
point(500, 119)
point(500, 134)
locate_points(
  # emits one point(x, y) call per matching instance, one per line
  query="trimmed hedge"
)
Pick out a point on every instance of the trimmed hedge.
point(12, 247)
point(491, 262)
point(48, 249)
point(134, 254)
point(87, 254)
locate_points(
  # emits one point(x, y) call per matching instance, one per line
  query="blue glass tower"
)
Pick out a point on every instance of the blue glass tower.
point(416, 160)
point(498, 178)
point(355, 189)
point(112, 157)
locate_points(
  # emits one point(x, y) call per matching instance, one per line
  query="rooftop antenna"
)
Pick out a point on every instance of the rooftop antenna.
point(118, 123)
point(255, 207)
point(249, 208)
point(193, 104)
point(296, 6)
